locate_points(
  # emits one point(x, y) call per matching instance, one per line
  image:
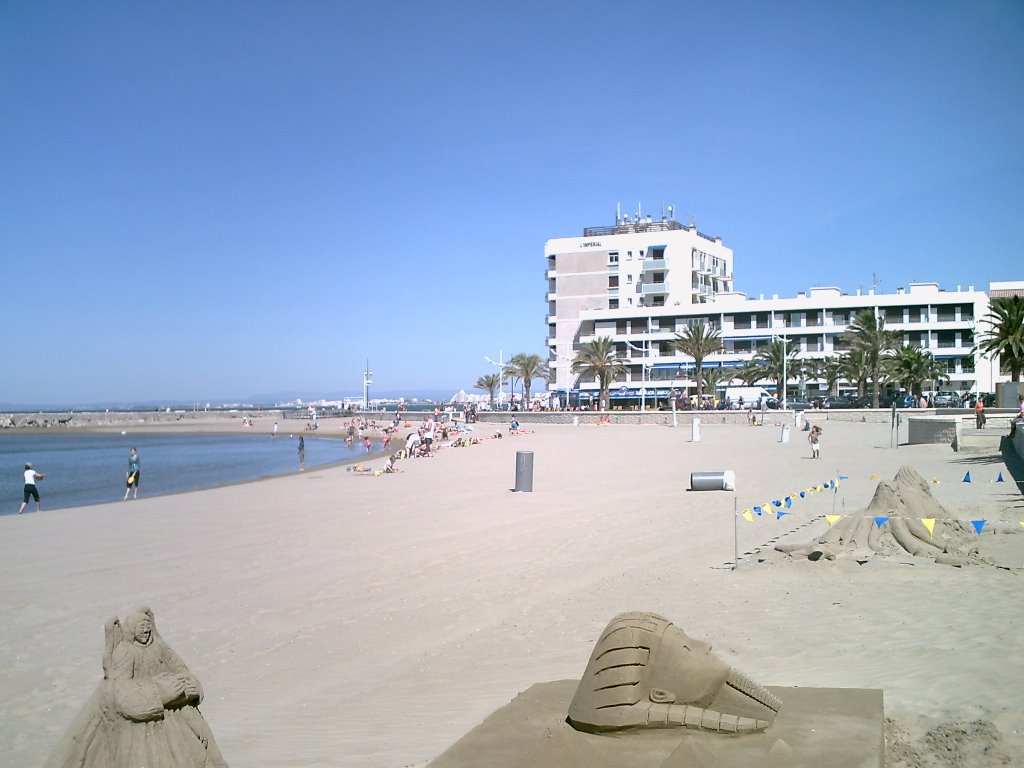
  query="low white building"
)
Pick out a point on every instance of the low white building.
point(641, 282)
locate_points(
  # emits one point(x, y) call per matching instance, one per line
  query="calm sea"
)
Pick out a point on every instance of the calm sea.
point(90, 468)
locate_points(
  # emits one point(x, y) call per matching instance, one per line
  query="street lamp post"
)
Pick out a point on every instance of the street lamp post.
point(501, 375)
point(367, 380)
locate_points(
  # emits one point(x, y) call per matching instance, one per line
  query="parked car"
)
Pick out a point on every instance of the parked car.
point(799, 404)
point(835, 402)
point(862, 401)
point(946, 400)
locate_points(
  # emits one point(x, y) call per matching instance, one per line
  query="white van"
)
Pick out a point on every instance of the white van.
point(750, 396)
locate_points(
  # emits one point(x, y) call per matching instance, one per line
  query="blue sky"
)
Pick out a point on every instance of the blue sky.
point(211, 201)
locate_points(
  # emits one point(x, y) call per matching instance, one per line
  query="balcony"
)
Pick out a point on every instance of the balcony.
point(649, 289)
point(655, 265)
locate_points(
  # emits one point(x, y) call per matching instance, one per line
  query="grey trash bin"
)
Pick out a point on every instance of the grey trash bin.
point(524, 471)
point(713, 481)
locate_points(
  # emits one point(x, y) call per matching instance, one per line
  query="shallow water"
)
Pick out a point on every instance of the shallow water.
point(90, 468)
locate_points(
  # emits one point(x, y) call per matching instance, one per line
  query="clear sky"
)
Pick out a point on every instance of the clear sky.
point(220, 200)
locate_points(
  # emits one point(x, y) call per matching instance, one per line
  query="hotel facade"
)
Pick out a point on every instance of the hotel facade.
point(642, 281)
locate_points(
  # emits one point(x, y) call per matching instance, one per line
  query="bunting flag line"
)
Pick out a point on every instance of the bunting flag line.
point(929, 523)
point(833, 519)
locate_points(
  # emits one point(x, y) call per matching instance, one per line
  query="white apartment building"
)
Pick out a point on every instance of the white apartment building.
point(641, 282)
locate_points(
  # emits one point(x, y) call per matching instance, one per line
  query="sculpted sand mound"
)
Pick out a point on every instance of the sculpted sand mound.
point(891, 525)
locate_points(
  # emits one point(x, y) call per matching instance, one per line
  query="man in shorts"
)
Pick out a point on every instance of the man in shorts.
point(31, 476)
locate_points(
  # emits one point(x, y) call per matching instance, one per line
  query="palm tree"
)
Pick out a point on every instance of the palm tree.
point(600, 359)
point(716, 377)
point(1005, 334)
point(749, 372)
point(489, 383)
point(867, 334)
point(856, 369)
point(771, 361)
point(527, 367)
point(911, 366)
point(698, 341)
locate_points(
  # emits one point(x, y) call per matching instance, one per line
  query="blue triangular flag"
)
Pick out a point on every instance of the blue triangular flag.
point(1000, 478)
point(777, 503)
point(978, 525)
point(880, 521)
point(803, 494)
point(789, 502)
point(757, 510)
point(844, 477)
point(967, 477)
point(780, 514)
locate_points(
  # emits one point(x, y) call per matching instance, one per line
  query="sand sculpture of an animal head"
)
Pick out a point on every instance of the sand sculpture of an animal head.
point(645, 672)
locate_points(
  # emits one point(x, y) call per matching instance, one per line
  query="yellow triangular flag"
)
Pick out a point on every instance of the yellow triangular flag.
point(1022, 523)
point(929, 523)
point(935, 481)
point(748, 515)
point(833, 519)
point(873, 476)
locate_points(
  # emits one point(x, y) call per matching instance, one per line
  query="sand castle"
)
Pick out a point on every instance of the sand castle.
point(144, 711)
point(891, 525)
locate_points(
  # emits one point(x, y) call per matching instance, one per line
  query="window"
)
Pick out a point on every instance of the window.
point(613, 303)
point(629, 279)
point(613, 281)
point(659, 301)
point(629, 255)
point(894, 315)
point(947, 313)
point(613, 258)
point(840, 318)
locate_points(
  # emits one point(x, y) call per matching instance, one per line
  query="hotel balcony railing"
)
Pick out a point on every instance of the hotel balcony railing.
point(651, 288)
point(655, 264)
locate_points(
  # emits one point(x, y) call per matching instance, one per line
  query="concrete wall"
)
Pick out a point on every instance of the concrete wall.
point(933, 429)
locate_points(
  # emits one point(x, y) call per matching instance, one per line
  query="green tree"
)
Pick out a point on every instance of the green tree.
point(911, 366)
point(718, 377)
point(867, 335)
point(769, 363)
point(600, 359)
point(749, 372)
point(698, 341)
point(527, 368)
point(856, 369)
point(489, 383)
point(1004, 336)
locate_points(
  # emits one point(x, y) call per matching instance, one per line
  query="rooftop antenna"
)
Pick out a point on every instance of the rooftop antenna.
point(671, 210)
point(618, 213)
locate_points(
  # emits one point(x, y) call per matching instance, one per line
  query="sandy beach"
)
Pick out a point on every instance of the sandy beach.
point(338, 619)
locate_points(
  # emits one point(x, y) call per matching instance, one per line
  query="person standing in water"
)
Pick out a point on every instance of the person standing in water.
point(132, 475)
point(302, 454)
point(30, 487)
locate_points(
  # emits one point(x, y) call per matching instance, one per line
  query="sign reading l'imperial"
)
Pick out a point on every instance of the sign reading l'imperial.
point(591, 244)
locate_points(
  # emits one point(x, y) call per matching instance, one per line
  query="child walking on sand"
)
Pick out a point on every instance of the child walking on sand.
point(814, 438)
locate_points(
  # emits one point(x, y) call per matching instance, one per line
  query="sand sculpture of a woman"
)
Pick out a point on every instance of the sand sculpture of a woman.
point(144, 712)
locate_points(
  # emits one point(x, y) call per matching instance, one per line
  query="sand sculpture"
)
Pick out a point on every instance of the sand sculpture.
point(905, 501)
point(144, 711)
point(645, 672)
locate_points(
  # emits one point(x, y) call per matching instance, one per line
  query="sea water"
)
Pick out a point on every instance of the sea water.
point(91, 468)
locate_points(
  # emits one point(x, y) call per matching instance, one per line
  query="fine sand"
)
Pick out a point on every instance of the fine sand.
point(338, 619)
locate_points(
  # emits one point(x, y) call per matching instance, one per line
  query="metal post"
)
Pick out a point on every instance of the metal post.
point(735, 534)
